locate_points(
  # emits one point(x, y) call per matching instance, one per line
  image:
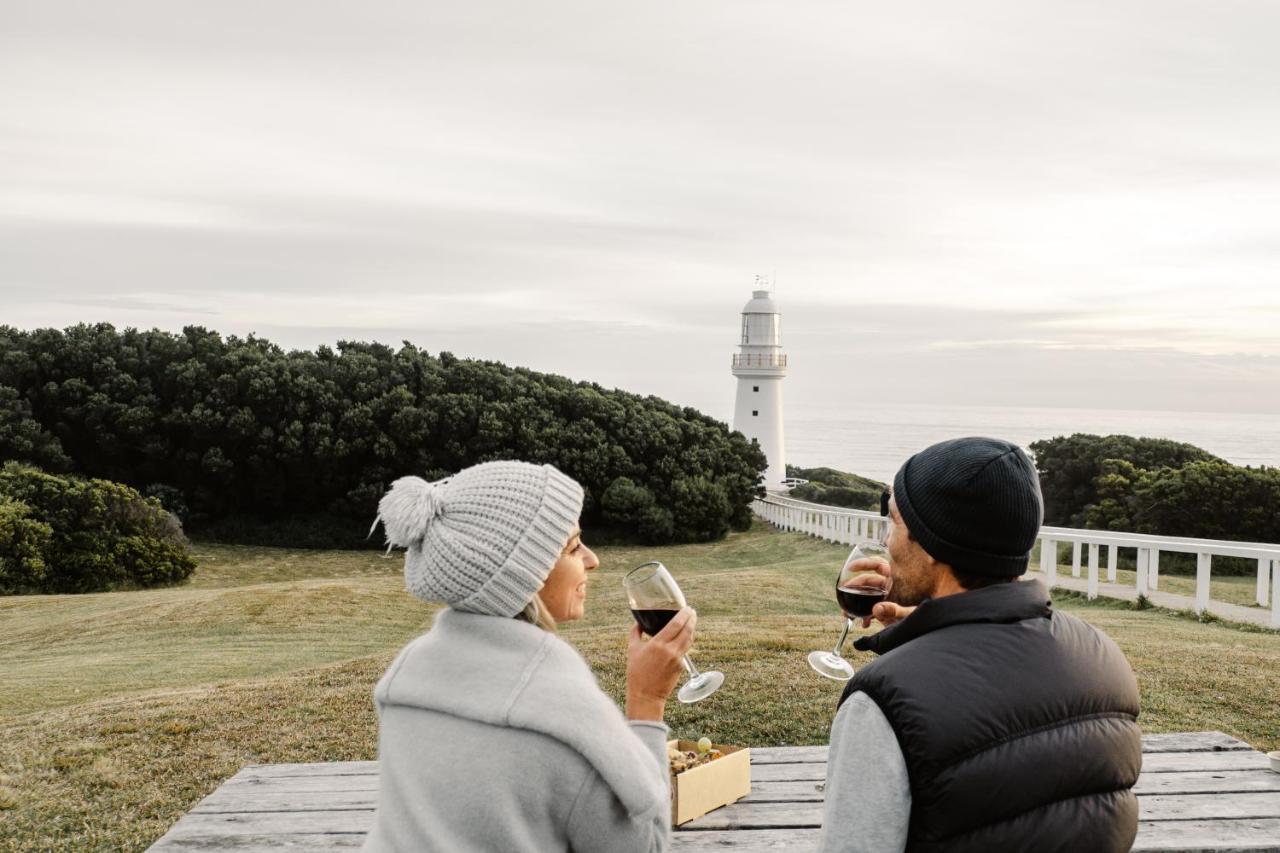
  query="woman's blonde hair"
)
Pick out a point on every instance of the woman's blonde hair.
point(536, 613)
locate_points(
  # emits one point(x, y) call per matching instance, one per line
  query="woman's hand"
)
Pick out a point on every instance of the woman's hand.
point(654, 665)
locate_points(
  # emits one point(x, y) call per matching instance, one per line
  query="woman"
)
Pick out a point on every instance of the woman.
point(493, 734)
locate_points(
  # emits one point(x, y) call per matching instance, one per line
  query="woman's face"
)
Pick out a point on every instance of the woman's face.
point(565, 592)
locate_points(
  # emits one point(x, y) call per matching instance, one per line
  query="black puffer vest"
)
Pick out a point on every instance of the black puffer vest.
point(1017, 723)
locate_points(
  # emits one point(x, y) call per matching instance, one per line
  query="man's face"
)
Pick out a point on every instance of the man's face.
point(914, 571)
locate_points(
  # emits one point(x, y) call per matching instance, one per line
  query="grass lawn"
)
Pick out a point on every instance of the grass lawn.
point(119, 711)
point(1232, 590)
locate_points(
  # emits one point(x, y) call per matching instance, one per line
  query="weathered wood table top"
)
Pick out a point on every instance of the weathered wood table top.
point(1198, 791)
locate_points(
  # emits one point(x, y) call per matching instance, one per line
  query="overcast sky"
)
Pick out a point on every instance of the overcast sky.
point(1046, 204)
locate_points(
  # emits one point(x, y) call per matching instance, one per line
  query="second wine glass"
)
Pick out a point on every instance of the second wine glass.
point(858, 590)
point(655, 597)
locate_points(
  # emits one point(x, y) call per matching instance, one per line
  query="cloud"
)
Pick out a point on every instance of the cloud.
point(942, 189)
point(130, 304)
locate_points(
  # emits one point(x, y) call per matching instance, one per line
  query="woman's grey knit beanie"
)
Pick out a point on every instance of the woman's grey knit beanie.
point(485, 539)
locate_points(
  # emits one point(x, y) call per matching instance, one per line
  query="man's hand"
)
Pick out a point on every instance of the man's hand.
point(654, 665)
point(886, 612)
point(867, 564)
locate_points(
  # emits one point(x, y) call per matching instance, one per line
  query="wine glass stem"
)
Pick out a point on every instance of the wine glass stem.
point(690, 668)
point(848, 623)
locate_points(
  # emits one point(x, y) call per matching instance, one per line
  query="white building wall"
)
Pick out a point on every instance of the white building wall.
point(758, 415)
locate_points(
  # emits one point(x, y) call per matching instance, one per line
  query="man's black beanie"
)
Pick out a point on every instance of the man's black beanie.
point(973, 503)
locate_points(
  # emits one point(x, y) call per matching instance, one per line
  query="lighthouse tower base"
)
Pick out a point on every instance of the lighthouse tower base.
point(757, 414)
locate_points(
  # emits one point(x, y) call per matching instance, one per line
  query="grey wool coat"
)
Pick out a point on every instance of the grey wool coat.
point(494, 736)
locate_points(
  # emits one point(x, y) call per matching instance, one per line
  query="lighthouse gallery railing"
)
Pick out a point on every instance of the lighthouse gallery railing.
point(759, 360)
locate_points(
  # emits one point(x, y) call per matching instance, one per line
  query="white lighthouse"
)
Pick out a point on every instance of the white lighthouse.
point(760, 366)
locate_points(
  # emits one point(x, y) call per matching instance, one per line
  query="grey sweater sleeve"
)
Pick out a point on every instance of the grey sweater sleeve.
point(867, 796)
point(598, 823)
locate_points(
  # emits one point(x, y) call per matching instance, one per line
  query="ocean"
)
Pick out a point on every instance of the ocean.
point(875, 444)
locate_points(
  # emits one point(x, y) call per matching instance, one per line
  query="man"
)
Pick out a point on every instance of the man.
point(990, 722)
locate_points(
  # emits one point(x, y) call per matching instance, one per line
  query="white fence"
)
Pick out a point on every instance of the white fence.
point(850, 526)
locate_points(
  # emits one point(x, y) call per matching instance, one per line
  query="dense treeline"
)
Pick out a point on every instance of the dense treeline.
point(1209, 500)
point(1070, 466)
point(836, 488)
point(1144, 485)
point(67, 534)
point(240, 436)
point(1120, 482)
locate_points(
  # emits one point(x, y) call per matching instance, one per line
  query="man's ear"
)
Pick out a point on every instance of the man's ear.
point(944, 578)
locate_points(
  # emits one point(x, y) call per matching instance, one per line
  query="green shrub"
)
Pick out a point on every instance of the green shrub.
point(700, 510)
point(1206, 500)
point(1070, 467)
point(23, 541)
point(100, 535)
point(1162, 487)
point(836, 488)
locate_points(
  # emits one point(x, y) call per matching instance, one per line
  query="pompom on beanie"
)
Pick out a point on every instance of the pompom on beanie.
point(972, 503)
point(485, 539)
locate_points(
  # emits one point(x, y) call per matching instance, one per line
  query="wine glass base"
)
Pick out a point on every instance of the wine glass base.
point(700, 687)
point(830, 666)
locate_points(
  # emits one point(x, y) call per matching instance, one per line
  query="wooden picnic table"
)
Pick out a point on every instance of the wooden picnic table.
point(1199, 791)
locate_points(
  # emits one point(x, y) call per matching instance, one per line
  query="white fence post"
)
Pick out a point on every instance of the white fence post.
point(1203, 562)
point(1075, 559)
point(1264, 581)
point(1093, 571)
point(1275, 592)
point(1113, 560)
point(1143, 556)
point(1049, 562)
point(1153, 571)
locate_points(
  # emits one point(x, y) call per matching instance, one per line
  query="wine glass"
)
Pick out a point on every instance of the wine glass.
point(655, 597)
point(858, 589)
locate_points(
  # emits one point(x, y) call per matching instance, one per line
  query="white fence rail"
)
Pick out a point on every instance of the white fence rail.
point(851, 526)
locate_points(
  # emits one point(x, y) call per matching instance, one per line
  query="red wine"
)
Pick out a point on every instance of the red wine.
point(653, 621)
point(859, 600)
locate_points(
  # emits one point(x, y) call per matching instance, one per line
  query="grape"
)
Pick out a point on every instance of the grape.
point(704, 745)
